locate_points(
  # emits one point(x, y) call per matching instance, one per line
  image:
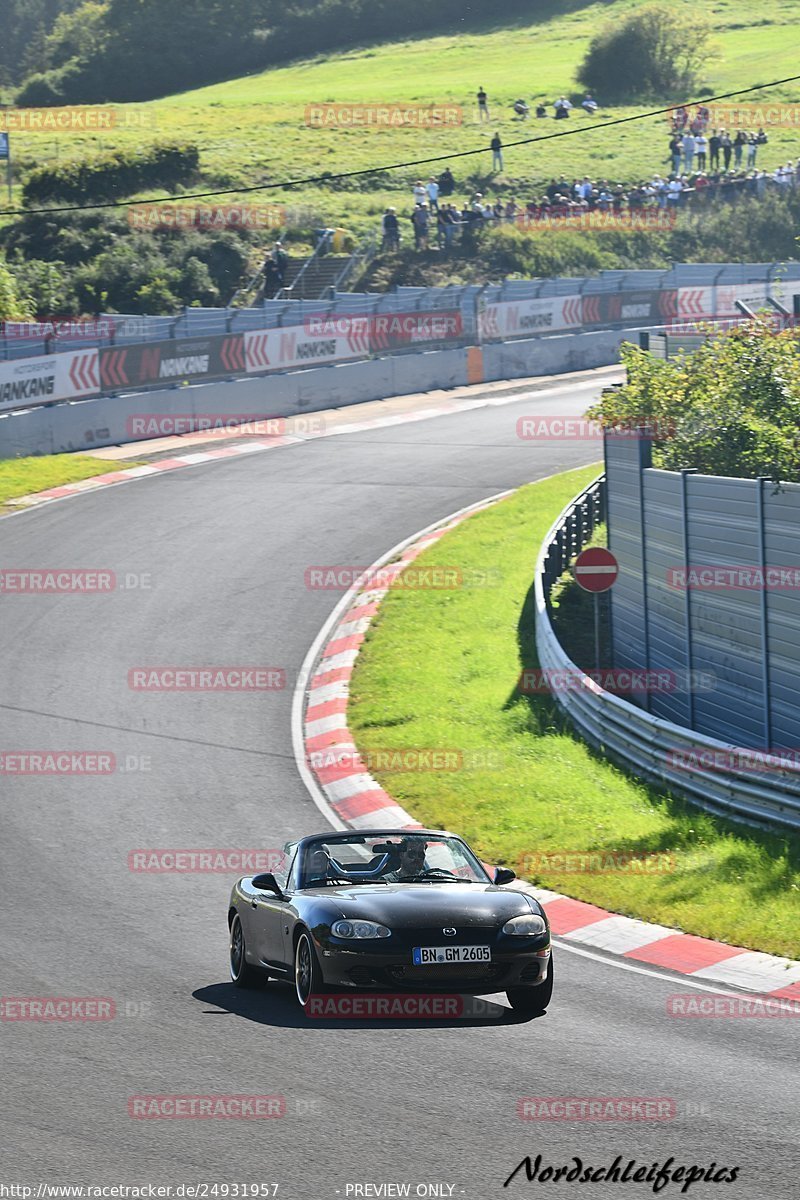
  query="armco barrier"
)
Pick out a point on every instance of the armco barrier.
point(649, 745)
point(107, 420)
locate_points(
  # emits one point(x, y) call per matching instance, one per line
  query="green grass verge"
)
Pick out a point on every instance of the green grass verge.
point(440, 669)
point(20, 476)
point(253, 129)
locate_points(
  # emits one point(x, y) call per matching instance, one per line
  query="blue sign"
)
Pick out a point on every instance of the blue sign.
point(5, 150)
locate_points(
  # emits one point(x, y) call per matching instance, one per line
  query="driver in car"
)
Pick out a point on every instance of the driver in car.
point(409, 859)
point(317, 868)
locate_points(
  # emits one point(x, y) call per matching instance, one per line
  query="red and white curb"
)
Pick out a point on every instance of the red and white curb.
point(349, 797)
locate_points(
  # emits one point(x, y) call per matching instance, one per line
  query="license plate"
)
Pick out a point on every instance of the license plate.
point(423, 956)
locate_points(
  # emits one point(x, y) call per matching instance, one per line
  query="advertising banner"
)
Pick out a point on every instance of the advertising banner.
point(173, 361)
point(27, 382)
point(320, 340)
point(526, 318)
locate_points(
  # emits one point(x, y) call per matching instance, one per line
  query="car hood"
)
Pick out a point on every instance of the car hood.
point(429, 904)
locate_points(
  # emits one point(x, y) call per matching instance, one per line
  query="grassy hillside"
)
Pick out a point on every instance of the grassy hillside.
point(252, 130)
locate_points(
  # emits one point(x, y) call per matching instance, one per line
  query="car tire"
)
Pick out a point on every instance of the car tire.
point(307, 973)
point(242, 974)
point(531, 1001)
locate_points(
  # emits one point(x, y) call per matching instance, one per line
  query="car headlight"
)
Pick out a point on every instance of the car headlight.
point(359, 929)
point(526, 926)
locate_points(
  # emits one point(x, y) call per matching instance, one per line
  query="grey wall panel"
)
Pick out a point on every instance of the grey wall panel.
point(735, 642)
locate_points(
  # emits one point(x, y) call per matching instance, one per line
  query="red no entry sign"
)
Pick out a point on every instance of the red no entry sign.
point(596, 569)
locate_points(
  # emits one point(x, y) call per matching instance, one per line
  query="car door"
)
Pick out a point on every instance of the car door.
point(267, 918)
point(269, 915)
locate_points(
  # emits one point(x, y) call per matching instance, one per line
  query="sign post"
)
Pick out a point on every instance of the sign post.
point(5, 153)
point(596, 571)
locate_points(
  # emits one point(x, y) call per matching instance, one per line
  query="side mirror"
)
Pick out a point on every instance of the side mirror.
point(504, 875)
point(267, 883)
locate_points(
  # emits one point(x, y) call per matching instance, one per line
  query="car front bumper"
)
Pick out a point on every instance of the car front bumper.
point(379, 965)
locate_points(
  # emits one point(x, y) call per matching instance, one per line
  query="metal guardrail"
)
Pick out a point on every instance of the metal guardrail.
point(123, 329)
point(679, 759)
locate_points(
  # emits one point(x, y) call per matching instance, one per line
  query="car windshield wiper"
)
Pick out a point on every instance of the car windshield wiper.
point(338, 880)
point(436, 875)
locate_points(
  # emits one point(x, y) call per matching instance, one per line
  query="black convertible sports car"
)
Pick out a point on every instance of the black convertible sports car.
point(391, 911)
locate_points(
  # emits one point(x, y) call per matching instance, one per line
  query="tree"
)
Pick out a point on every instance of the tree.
point(12, 306)
point(650, 53)
point(731, 408)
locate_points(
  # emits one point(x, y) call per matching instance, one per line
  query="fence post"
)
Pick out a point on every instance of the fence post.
point(762, 553)
point(687, 608)
point(644, 446)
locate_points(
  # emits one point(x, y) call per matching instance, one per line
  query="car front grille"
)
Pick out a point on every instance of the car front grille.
point(444, 976)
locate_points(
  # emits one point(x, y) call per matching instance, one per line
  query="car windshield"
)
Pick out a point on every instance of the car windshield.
point(397, 858)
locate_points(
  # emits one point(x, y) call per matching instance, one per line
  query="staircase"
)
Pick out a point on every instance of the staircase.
point(319, 275)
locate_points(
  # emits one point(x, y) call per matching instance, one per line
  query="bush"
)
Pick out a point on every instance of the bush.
point(111, 176)
point(731, 408)
point(13, 307)
point(47, 87)
point(651, 53)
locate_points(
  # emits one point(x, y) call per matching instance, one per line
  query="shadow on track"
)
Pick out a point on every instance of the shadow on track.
point(275, 1004)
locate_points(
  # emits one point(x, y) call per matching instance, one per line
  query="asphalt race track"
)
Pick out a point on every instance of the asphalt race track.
point(224, 549)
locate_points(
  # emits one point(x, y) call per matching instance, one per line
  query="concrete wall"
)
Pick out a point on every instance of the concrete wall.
point(87, 424)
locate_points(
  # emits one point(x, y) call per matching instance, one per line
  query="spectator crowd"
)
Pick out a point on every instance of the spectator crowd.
point(707, 164)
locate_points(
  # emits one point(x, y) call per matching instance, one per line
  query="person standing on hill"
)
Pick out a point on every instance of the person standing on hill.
point(391, 230)
point(497, 153)
point(420, 220)
point(726, 145)
point(713, 151)
point(739, 143)
point(483, 105)
point(701, 142)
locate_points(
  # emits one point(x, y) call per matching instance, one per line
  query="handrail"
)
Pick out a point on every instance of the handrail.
point(285, 293)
